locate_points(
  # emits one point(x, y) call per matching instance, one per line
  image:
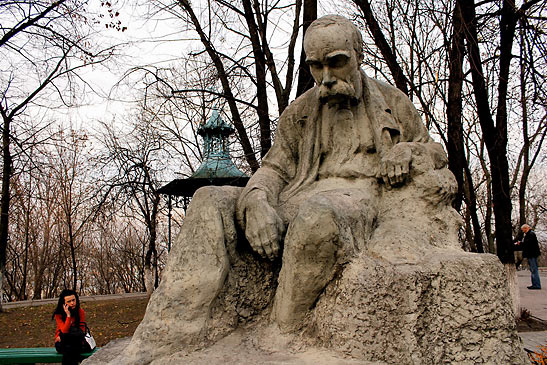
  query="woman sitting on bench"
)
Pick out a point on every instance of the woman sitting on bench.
point(69, 336)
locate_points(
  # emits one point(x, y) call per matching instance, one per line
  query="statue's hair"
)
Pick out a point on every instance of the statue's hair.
point(332, 19)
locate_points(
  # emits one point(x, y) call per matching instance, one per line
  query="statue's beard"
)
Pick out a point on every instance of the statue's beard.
point(341, 94)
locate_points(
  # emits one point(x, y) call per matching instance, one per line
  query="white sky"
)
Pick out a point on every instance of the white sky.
point(147, 41)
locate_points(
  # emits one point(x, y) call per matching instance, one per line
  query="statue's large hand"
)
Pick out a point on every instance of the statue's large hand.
point(263, 228)
point(395, 165)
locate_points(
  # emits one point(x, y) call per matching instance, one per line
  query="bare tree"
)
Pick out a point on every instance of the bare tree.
point(495, 134)
point(305, 79)
point(251, 63)
point(401, 81)
point(43, 44)
point(417, 41)
point(132, 164)
point(76, 194)
point(532, 60)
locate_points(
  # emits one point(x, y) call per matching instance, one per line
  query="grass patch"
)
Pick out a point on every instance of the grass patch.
point(107, 320)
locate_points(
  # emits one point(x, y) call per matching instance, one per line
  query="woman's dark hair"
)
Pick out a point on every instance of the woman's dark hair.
point(61, 311)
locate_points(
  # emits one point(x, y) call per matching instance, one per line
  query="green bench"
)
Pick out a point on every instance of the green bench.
point(33, 355)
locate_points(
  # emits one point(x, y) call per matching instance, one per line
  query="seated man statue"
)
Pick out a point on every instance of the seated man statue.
point(350, 176)
point(319, 183)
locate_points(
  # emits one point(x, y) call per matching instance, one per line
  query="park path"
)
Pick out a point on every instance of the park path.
point(83, 299)
point(536, 302)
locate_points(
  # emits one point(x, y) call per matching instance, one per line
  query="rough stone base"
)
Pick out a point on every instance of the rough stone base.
point(257, 343)
point(449, 308)
point(452, 307)
point(412, 296)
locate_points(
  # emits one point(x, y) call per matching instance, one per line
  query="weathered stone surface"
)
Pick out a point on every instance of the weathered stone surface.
point(108, 353)
point(445, 308)
point(209, 286)
point(410, 296)
point(248, 345)
point(345, 247)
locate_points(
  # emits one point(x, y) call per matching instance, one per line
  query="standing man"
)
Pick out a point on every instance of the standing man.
point(530, 250)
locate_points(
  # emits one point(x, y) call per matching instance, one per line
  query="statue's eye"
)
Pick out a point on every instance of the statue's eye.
point(339, 60)
point(316, 65)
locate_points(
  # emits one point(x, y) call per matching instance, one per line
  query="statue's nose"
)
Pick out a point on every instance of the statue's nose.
point(328, 79)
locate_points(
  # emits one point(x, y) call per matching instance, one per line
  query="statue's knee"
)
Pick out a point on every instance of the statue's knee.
point(216, 196)
point(315, 224)
point(208, 192)
point(213, 201)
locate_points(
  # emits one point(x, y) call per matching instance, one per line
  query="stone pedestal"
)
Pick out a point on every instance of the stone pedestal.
point(411, 296)
point(450, 307)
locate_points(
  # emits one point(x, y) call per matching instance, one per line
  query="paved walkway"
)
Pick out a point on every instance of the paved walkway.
point(536, 302)
point(83, 299)
point(533, 300)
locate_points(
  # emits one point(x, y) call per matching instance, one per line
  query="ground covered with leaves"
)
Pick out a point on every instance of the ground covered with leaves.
point(107, 320)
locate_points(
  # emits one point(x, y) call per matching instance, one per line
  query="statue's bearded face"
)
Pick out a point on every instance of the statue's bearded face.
point(334, 65)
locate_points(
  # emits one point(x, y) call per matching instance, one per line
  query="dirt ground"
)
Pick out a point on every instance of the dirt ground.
point(107, 320)
point(531, 324)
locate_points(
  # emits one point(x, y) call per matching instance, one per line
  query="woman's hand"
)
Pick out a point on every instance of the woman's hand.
point(58, 339)
point(65, 307)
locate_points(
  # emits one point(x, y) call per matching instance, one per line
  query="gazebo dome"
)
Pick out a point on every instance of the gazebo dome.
point(217, 162)
point(215, 125)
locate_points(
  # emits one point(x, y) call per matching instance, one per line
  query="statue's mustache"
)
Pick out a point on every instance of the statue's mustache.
point(340, 90)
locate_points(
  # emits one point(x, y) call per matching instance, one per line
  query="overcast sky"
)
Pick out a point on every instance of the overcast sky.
point(146, 41)
point(157, 39)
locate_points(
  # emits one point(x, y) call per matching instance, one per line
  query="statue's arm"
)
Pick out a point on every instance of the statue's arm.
point(397, 160)
point(256, 214)
point(255, 211)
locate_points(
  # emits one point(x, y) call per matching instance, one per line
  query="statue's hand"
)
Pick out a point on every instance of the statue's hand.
point(395, 165)
point(263, 228)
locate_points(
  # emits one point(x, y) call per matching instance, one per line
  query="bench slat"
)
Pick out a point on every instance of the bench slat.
point(33, 355)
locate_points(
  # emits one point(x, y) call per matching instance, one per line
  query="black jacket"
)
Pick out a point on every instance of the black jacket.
point(530, 246)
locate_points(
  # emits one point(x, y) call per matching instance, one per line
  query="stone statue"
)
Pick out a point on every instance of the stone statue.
point(343, 239)
point(319, 183)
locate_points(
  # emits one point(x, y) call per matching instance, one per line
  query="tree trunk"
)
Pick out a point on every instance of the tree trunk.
point(260, 71)
point(525, 138)
point(25, 258)
point(495, 136)
point(151, 258)
point(471, 202)
point(217, 61)
point(454, 145)
point(72, 246)
point(469, 236)
point(38, 283)
point(387, 52)
point(305, 79)
point(5, 200)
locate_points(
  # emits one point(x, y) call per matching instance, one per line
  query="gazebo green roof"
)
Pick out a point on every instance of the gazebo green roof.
point(215, 125)
point(217, 168)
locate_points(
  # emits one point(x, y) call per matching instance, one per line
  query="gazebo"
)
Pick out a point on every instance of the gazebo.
point(217, 167)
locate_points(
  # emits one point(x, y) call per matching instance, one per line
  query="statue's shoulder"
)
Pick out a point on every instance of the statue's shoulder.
point(389, 91)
